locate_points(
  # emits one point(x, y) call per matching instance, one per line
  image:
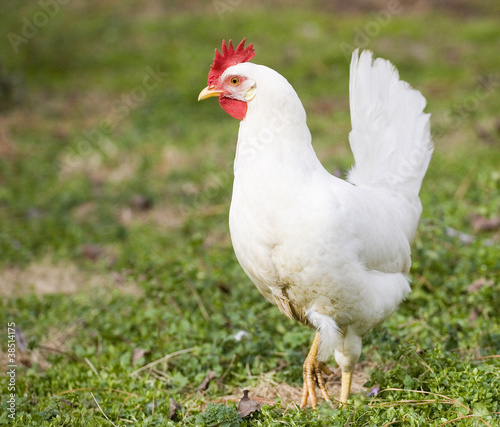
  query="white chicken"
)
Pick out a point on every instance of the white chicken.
point(330, 253)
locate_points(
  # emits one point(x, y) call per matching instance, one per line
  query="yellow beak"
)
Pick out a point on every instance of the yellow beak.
point(208, 92)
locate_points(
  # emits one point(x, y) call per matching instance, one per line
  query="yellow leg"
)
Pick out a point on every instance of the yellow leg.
point(312, 373)
point(345, 387)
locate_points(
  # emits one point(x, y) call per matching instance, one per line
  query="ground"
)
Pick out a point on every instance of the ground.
point(116, 266)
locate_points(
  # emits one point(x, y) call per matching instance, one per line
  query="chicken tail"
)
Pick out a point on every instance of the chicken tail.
point(390, 136)
point(330, 333)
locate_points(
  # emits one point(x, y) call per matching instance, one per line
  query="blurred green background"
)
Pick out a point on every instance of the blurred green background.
point(114, 194)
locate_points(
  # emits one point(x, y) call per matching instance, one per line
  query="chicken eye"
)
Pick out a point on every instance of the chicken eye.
point(234, 81)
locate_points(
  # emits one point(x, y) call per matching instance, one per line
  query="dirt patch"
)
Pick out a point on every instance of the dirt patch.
point(55, 342)
point(46, 277)
point(164, 216)
point(172, 158)
point(267, 389)
point(42, 278)
point(7, 146)
point(101, 163)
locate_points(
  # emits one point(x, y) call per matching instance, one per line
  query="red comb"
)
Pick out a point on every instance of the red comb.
point(229, 57)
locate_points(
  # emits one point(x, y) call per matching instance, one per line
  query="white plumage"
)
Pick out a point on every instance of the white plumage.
point(330, 253)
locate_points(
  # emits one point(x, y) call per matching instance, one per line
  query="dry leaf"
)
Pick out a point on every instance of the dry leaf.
point(21, 342)
point(138, 353)
point(206, 381)
point(174, 409)
point(92, 252)
point(474, 314)
point(478, 284)
point(481, 223)
point(141, 202)
point(247, 406)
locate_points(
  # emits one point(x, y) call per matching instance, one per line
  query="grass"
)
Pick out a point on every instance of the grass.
point(115, 259)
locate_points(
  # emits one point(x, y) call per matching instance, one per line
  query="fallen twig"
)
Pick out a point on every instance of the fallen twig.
point(161, 360)
point(100, 409)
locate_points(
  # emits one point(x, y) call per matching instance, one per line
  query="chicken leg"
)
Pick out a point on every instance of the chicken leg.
point(312, 371)
point(345, 384)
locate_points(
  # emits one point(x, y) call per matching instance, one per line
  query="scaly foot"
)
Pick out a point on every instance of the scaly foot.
point(312, 371)
point(345, 387)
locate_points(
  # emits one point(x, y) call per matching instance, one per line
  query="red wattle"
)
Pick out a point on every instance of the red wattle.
point(233, 107)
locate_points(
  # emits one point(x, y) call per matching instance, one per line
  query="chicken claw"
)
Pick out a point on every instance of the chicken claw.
point(312, 371)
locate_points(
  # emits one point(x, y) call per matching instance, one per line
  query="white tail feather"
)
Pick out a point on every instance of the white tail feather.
point(390, 136)
point(330, 333)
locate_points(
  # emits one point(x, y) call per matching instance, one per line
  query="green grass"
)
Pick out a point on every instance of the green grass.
point(82, 134)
